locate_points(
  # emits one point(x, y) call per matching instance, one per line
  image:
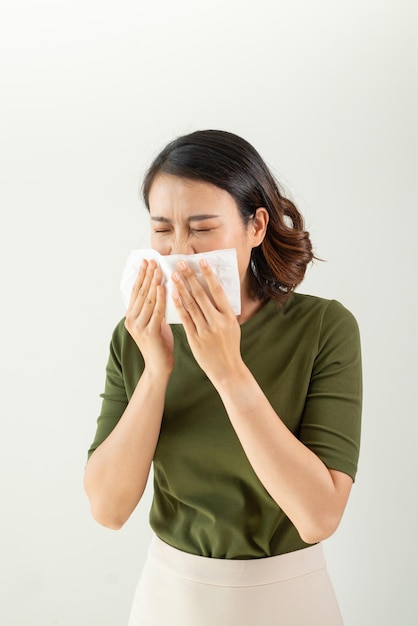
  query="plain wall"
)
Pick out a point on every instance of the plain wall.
point(90, 92)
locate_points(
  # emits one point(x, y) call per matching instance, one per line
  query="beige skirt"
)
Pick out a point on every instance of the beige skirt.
point(180, 589)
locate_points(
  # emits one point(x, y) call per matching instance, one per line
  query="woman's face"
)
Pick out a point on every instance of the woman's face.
point(189, 217)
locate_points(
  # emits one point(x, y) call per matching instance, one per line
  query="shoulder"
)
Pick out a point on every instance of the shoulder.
point(326, 311)
point(315, 303)
point(323, 320)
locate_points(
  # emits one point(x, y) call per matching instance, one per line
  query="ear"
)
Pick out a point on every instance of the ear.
point(258, 226)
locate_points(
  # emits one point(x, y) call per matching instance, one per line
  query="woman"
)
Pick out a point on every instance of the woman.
point(252, 423)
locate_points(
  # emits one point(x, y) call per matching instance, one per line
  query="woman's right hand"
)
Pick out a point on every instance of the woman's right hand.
point(145, 320)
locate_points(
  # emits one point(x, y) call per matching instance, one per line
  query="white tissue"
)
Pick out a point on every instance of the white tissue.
point(223, 263)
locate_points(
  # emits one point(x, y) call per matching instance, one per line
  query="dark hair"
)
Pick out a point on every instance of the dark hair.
point(227, 161)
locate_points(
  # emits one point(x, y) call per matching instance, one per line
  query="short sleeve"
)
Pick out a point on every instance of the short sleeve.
point(331, 421)
point(114, 398)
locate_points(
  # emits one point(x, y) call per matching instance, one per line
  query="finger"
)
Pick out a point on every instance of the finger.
point(211, 299)
point(185, 302)
point(158, 312)
point(138, 281)
point(142, 285)
point(148, 300)
point(216, 290)
point(194, 285)
point(185, 318)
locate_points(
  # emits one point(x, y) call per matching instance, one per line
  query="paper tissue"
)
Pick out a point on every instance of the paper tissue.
point(223, 263)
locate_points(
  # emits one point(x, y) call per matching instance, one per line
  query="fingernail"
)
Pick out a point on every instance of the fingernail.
point(183, 265)
point(203, 263)
point(175, 277)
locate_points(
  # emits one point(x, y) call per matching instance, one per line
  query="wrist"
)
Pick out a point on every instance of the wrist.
point(157, 375)
point(232, 378)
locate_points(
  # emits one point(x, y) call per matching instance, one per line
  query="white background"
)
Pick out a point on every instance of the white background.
point(326, 90)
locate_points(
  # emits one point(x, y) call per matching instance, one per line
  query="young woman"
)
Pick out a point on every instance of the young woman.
point(252, 423)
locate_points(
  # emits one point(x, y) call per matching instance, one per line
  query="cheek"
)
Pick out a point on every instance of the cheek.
point(159, 245)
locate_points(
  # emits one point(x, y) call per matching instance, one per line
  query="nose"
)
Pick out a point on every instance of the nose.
point(181, 246)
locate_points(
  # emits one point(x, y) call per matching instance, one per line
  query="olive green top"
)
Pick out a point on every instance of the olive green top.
point(207, 498)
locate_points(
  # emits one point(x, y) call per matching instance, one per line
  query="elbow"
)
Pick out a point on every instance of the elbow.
point(106, 519)
point(110, 514)
point(312, 536)
point(109, 507)
point(318, 530)
point(103, 512)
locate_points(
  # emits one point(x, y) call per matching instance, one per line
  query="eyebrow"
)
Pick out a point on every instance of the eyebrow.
point(192, 218)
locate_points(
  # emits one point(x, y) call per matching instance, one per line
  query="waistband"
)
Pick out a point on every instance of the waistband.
point(236, 572)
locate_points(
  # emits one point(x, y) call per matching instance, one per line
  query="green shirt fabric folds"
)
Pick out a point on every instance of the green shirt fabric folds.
point(207, 498)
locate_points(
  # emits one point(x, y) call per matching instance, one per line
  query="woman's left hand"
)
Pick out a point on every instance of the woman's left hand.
point(211, 325)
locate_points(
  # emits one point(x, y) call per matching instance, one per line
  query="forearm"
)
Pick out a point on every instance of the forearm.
point(117, 471)
point(293, 475)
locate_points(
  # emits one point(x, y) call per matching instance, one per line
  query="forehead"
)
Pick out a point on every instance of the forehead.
point(170, 193)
